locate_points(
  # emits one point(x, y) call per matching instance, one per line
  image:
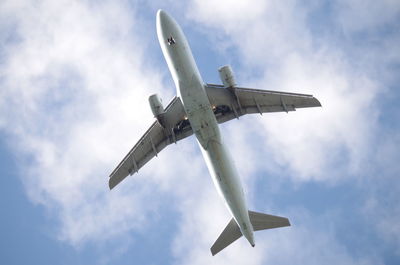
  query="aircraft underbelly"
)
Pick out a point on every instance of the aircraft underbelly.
point(190, 88)
point(193, 108)
point(219, 163)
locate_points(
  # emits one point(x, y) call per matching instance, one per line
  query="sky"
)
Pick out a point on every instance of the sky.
point(74, 81)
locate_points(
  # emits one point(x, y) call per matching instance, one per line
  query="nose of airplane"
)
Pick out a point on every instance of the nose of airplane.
point(162, 16)
point(160, 21)
point(160, 13)
point(166, 25)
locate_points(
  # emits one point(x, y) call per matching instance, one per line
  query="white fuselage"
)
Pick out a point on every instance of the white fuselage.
point(190, 88)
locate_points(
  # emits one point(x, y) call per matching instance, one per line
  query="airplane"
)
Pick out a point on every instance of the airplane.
point(198, 109)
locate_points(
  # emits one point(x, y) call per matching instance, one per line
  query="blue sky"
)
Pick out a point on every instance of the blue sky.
point(75, 77)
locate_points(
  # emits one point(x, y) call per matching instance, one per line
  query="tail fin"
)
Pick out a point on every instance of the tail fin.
point(260, 221)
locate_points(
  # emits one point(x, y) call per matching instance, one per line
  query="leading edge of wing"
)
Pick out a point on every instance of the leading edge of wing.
point(261, 90)
point(288, 100)
point(264, 91)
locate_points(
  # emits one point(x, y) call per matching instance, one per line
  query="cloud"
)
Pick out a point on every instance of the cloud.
point(312, 240)
point(335, 144)
point(74, 75)
point(205, 216)
point(287, 47)
point(73, 81)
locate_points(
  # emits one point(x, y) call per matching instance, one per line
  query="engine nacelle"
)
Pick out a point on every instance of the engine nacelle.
point(226, 75)
point(156, 105)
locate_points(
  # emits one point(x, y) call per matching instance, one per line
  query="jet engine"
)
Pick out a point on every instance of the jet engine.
point(156, 105)
point(226, 75)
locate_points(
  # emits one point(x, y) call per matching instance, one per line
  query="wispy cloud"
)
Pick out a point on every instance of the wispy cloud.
point(280, 44)
point(73, 81)
point(75, 78)
point(338, 142)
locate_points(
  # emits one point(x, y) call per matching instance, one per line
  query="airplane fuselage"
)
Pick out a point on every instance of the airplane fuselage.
point(190, 88)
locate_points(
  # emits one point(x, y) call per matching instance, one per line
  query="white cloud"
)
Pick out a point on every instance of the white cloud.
point(75, 75)
point(278, 42)
point(72, 85)
point(311, 239)
point(329, 144)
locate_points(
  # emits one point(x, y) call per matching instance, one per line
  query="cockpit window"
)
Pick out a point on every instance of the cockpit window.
point(170, 41)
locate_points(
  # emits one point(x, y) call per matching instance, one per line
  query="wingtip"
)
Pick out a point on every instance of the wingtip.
point(318, 103)
point(111, 184)
point(213, 251)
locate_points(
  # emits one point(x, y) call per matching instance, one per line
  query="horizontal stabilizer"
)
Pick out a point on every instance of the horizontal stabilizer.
point(259, 221)
point(230, 234)
point(262, 221)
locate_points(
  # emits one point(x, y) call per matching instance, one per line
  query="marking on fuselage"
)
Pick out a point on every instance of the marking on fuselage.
point(170, 40)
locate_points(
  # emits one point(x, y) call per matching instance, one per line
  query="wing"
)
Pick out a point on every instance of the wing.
point(170, 127)
point(230, 103)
